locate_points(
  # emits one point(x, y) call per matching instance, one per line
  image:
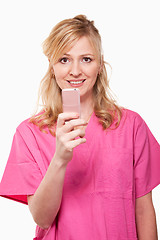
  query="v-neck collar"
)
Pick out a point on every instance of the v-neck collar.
point(92, 135)
point(92, 131)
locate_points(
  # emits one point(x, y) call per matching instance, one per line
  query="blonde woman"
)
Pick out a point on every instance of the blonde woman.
point(91, 178)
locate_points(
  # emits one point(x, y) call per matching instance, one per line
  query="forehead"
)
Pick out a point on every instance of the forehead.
point(81, 47)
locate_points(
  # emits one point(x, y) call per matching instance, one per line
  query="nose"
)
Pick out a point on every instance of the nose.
point(75, 69)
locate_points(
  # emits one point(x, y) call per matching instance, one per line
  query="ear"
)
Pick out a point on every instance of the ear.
point(52, 71)
point(51, 67)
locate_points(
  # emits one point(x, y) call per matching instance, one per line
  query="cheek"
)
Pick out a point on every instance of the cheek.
point(59, 73)
point(91, 69)
point(93, 72)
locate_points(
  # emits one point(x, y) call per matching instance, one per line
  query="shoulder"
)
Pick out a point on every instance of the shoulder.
point(130, 114)
point(140, 129)
point(131, 118)
point(26, 125)
point(133, 123)
point(31, 132)
point(28, 130)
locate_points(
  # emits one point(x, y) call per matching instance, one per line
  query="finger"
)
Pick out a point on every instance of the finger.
point(72, 124)
point(74, 143)
point(62, 117)
point(74, 134)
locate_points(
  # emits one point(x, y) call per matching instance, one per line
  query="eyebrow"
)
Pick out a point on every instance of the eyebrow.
point(82, 55)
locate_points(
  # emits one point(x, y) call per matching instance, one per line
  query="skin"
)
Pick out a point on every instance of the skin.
point(45, 203)
point(79, 63)
point(146, 218)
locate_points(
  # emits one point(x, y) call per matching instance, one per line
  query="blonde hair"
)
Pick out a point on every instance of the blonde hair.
point(62, 38)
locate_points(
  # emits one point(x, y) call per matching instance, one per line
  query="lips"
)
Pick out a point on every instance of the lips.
point(76, 81)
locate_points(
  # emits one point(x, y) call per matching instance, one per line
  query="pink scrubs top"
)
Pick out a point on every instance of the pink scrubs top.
point(102, 181)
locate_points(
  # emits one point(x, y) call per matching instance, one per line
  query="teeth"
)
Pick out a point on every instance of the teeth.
point(76, 82)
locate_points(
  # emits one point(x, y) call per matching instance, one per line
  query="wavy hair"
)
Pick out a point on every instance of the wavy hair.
point(62, 38)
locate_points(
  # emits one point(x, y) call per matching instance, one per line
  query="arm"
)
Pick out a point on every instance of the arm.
point(146, 218)
point(45, 203)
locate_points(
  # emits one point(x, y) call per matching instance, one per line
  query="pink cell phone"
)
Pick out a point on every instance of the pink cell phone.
point(71, 100)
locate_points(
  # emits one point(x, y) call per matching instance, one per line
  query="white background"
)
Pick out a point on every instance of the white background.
point(131, 43)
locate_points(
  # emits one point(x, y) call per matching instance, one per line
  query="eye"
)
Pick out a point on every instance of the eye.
point(64, 60)
point(87, 59)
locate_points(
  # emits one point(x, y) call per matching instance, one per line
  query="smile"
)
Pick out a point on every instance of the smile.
point(76, 82)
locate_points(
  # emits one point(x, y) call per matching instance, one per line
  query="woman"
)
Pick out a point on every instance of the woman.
point(92, 177)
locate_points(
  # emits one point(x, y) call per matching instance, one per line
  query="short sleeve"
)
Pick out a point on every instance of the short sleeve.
point(22, 175)
point(146, 159)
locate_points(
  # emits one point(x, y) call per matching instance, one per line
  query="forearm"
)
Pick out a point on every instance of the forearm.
point(45, 203)
point(146, 224)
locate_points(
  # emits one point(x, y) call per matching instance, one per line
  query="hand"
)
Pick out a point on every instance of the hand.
point(66, 135)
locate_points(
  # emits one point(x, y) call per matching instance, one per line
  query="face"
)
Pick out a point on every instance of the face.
point(78, 68)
